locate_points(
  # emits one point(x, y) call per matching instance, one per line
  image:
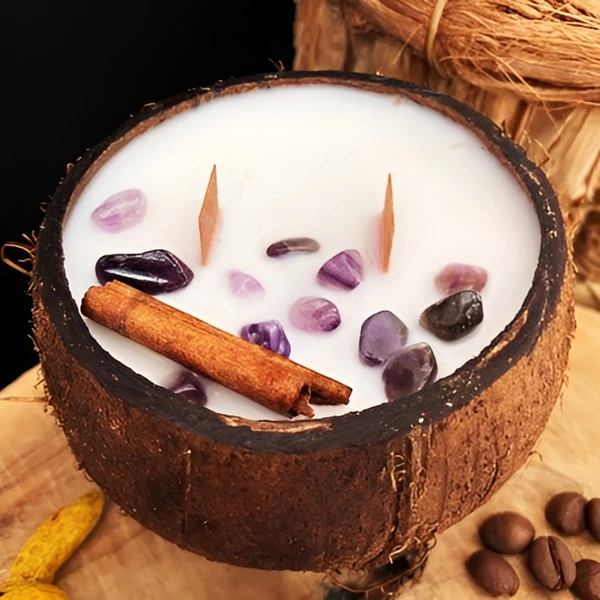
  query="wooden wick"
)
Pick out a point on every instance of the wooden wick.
point(259, 374)
point(209, 216)
point(387, 227)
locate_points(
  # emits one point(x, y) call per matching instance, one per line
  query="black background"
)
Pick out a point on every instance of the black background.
point(73, 71)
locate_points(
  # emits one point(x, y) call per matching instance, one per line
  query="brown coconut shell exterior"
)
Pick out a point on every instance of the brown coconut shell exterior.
point(342, 492)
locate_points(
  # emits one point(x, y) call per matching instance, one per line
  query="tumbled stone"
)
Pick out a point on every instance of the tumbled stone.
point(243, 285)
point(343, 271)
point(454, 316)
point(269, 335)
point(456, 277)
point(152, 272)
point(189, 385)
point(315, 314)
point(409, 370)
point(299, 244)
point(121, 210)
point(381, 335)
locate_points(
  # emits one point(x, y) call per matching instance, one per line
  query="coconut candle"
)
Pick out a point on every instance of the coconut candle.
point(313, 161)
point(310, 156)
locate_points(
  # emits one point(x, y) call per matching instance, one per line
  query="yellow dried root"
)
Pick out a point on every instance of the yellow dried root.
point(31, 590)
point(55, 540)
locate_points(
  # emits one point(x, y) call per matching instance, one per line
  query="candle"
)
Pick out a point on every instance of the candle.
point(314, 162)
point(311, 158)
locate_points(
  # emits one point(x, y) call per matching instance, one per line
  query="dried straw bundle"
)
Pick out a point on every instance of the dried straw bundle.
point(533, 66)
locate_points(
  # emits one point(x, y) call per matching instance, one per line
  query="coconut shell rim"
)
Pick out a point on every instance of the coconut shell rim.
point(377, 424)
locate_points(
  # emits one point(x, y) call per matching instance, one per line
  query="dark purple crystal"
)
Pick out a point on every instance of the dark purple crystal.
point(299, 244)
point(269, 335)
point(317, 315)
point(454, 316)
point(343, 271)
point(152, 272)
point(381, 335)
point(409, 370)
point(189, 385)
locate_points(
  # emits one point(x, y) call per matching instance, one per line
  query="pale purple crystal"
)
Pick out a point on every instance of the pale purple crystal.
point(292, 245)
point(381, 335)
point(457, 277)
point(315, 314)
point(269, 335)
point(343, 271)
point(189, 385)
point(409, 370)
point(242, 284)
point(121, 210)
point(152, 272)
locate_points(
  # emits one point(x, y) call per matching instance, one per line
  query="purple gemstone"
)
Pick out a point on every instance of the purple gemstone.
point(189, 385)
point(454, 316)
point(269, 335)
point(315, 314)
point(121, 210)
point(152, 272)
point(456, 277)
point(343, 271)
point(381, 335)
point(242, 284)
point(408, 370)
point(300, 244)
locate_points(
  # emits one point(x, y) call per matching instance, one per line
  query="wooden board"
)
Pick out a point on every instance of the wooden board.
point(122, 560)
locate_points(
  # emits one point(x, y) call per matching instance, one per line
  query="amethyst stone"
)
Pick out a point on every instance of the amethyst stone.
point(189, 385)
point(242, 284)
point(269, 335)
point(454, 316)
point(317, 315)
point(121, 210)
point(381, 335)
point(456, 277)
point(152, 272)
point(408, 370)
point(343, 271)
point(300, 244)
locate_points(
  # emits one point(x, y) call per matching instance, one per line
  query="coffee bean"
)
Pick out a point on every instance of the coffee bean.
point(592, 517)
point(587, 582)
point(551, 563)
point(507, 533)
point(566, 512)
point(493, 573)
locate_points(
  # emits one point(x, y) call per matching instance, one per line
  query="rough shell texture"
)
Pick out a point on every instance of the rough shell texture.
point(413, 480)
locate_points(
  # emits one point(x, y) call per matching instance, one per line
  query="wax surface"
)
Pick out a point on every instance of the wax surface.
point(313, 161)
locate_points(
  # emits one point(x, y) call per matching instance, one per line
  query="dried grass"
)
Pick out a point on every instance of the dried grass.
point(542, 50)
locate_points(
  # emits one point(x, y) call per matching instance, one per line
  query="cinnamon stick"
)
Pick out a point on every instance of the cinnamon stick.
point(388, 227)
point(259, 374)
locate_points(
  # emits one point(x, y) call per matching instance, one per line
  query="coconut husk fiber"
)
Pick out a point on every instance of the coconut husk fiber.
point(532, 66)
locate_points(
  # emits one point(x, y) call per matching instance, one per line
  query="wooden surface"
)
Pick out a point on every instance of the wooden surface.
point(123, 561)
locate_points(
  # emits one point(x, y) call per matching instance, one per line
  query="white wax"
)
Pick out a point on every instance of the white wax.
point(313, 161)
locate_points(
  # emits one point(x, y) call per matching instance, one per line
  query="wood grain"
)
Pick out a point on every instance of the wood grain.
point(122, 560)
